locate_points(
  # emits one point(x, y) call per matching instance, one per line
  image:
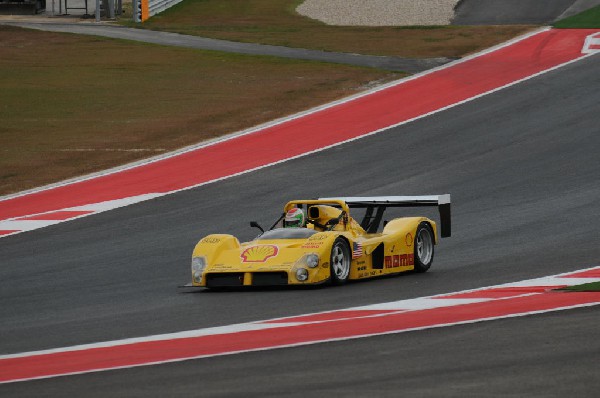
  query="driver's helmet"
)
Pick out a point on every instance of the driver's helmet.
point(294, 218)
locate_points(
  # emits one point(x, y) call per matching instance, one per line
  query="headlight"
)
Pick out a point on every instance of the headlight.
point(312, 260)
point(301, 274)
point(198, 265)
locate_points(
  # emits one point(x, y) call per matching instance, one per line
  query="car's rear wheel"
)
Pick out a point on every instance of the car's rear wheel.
point(340, 262)
point(424, 243)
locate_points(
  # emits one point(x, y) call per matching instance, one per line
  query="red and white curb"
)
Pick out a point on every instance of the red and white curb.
point(41, 220)
point(324, 127)
point(592, 44)
point(503, 301)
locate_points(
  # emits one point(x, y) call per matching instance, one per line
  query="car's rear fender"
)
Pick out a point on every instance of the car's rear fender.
point(405, 225)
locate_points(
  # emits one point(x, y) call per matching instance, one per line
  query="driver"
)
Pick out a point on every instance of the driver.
point(294, 218)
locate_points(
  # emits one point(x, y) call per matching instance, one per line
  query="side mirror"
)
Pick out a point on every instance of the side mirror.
point(254, 224)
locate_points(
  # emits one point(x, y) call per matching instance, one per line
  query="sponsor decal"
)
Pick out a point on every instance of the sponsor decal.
point(325, 265)
point(221, 266)
point(211, 240)
point(312, 245)
point(271, 269)
point(259, 254)
point(357, 250)
point(318, 237)
point(399, 260)
point(362, 268)
point(409, 239)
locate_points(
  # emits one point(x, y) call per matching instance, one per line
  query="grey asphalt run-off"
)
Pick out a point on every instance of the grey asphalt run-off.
point(510, 12)
point(201, 43)
point(522, 167)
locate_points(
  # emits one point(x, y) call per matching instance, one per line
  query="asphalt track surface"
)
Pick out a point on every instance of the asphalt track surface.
point(523, 169)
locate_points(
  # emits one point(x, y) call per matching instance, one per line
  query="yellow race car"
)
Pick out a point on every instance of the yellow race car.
point(318, 241)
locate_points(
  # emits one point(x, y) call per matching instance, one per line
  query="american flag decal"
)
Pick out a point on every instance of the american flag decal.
point(357, 250)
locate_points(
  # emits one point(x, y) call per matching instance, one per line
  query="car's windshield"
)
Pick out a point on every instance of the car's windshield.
point(287, 233)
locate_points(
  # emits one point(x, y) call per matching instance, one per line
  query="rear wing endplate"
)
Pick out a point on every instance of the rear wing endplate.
point(441, 201)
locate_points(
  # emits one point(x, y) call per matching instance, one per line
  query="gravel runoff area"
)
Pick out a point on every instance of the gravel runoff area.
point(379, 12)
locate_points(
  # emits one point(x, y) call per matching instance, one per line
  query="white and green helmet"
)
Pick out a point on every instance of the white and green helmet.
point(294, 218)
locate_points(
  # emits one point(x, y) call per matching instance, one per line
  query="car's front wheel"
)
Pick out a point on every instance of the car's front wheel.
point(424, 243)
point(340, 262)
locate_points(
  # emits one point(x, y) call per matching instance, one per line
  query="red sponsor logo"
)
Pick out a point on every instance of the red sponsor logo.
point(311, 245)
point(399, 260)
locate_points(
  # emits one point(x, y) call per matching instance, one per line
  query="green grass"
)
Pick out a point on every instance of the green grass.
point(587, 287)
point(71, 105)
point(589, 19)
point(276, 22)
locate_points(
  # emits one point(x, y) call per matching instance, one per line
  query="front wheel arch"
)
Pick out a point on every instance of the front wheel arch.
point(340, 261)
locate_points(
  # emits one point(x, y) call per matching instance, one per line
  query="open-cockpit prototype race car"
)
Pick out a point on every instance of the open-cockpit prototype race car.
point(329, 245)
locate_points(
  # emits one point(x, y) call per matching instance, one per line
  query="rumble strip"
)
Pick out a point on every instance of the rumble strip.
point(503, 301)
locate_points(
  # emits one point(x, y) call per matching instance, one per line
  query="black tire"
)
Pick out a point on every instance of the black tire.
point(339, 262)
point(424, 247)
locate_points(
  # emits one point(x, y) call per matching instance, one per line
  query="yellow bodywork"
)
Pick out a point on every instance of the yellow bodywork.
point(261, 262)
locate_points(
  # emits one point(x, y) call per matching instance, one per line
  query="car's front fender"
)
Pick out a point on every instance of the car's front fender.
point(212, 245)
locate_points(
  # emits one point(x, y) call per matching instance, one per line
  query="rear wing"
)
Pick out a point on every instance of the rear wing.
point(371, 221)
